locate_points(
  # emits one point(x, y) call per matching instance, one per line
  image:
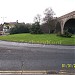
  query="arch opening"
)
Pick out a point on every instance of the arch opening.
point(70, 26)
point(58, 27)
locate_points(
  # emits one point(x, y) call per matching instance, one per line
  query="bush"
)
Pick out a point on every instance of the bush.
point(59, 34)
point(19, 28)
point(66, 34)
point(35, 28)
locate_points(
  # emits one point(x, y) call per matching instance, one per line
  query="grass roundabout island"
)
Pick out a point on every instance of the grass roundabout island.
point(52, 39)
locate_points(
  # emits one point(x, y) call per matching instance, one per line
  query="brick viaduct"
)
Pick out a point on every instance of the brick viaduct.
point(67, 20)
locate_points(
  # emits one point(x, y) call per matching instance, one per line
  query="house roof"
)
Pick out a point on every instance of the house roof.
point(10, 22)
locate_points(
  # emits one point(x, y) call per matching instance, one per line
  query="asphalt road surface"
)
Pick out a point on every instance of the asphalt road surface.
point(23, 56)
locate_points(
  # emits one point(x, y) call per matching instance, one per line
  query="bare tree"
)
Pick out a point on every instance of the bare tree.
point(37, 18)
point(49, 16)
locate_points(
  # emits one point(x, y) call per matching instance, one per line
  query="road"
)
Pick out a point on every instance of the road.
point(23, 56)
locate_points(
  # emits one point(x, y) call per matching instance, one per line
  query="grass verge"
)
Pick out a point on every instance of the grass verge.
point(40, 39)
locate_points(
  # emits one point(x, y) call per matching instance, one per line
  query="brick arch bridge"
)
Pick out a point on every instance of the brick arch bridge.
point(67, 20)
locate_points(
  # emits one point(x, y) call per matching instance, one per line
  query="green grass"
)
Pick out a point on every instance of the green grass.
point(39, 38)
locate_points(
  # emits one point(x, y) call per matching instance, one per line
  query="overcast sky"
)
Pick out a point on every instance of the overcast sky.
point(26, 10)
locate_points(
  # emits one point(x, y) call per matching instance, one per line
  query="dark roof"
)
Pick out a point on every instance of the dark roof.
point(10, 23)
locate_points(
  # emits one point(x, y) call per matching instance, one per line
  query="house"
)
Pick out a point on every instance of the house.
point(7, 26)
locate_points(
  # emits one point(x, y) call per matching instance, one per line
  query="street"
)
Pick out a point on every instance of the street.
point(14, 56)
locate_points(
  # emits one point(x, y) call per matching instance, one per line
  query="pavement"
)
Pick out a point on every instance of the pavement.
point(33, 57)
point(31, 73)
point(6, 43)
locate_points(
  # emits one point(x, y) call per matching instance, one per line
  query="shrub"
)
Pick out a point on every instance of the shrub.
point(19, 28)
point(66, 34)
point(59, 34)
point(35, 28)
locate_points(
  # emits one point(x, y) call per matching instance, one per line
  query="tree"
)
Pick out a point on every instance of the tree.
point(35, 28)
point(48, 19)
point(37, 18)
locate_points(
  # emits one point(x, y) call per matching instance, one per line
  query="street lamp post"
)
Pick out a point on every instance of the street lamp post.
point(3, 19)
point(3, 24)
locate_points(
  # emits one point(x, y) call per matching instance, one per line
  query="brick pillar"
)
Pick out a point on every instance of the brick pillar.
point(62, 27)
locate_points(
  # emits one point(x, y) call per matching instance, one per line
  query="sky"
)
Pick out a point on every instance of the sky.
point(26, 10)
